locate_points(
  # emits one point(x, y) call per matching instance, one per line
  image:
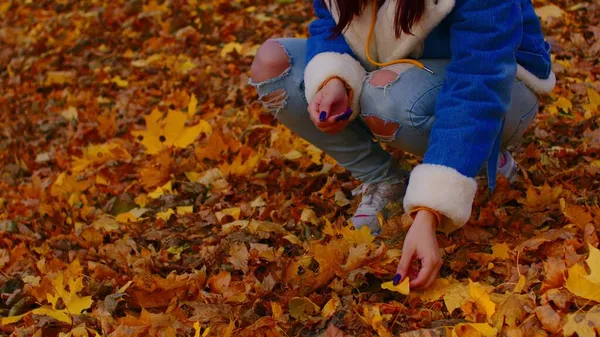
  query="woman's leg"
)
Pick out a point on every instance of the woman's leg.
point(398, 105)
point(278, 75)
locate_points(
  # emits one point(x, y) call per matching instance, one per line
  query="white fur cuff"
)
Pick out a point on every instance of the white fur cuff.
point(326, 65)
point(442, 189)
point(535, 83)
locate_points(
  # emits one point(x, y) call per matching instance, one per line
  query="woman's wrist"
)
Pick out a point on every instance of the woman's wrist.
point(425, 217)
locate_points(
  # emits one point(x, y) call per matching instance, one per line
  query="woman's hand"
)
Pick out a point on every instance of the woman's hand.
point(328, 107)
point(421, 243)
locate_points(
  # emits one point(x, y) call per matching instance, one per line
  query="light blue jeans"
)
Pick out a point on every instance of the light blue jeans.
point(403, 109)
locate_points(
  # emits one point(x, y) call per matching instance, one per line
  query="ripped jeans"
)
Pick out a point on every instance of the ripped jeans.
point(400, 113)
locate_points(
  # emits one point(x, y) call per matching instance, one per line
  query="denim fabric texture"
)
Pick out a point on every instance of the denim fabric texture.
point(409, 101)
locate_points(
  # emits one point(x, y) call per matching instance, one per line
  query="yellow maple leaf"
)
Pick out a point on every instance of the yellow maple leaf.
point(230, 47)
point(99, 154)
point(583, 324)
point(159, 191)
point(240, 168)
point(121, 83)
point(480, 295)
point(73, 303)
point(165, 215)
point(169, 132)
point(500, 251)
point(582, 284)
point(355, 236)
point(402, 287)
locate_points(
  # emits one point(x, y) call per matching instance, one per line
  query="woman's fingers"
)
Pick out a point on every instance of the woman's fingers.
point(428, 273)
point(434, 275)
point(408, 253)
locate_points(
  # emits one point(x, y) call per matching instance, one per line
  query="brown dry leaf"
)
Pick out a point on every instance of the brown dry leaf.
point(219, 283)
point(239, 256)
point(549, 318)
point(555, 271)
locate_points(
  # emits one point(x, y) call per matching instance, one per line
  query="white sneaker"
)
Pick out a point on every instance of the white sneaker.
point(374, 199)
point(509, 169)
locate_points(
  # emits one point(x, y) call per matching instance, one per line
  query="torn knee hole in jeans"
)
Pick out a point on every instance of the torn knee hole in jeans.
point(275, 101)
point(382, 129)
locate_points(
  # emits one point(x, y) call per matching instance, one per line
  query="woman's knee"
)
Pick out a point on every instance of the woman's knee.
point(271, 61)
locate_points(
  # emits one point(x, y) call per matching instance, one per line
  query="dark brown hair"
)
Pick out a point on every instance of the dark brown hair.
point(408, 12)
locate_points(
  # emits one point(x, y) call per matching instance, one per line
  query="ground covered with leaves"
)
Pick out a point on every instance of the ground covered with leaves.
point(145, 192)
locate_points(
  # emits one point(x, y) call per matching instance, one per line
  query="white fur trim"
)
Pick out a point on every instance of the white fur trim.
point(407, 45)
point(385, 46)
point(540, 86)
point(443, 189)
point(326, 65)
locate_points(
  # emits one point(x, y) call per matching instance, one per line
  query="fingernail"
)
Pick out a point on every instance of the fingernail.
point(345, 116)
point(397, 279)
point(323, 116)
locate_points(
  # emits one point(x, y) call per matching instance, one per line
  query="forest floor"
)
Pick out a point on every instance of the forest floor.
point(144, 191)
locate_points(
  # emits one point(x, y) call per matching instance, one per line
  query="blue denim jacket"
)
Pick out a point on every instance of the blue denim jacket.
point(486, 41)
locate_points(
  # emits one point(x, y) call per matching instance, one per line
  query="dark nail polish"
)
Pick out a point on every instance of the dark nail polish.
point(344, 116)
point(397, 279)
point(323, 116)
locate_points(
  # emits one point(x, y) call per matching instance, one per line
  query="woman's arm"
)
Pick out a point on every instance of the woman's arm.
point(330, 57)
point(484, 37)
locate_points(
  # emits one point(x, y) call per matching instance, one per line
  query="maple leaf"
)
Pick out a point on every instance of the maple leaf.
point(511, 309)
point(582, 284)
point(500, 251)
point(170, 131)
point(239, 256)
point(480, 295)
point(100, 154)
point(583, 324)
point(555, 270)
point(73, 303)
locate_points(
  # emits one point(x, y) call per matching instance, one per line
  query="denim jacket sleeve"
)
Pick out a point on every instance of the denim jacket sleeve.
point(329, 56)
point(484, 38)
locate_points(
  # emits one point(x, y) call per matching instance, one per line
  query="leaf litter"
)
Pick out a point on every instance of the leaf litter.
point(145, 192)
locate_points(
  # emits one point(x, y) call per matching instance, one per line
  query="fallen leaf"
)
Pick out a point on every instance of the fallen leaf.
point(582, 284)
point(584, 324)
point(549, 11)
point(331, 306)
point(500, 251)
point(474, 330)
point(402, 287)
point(480, 295)
point(301, 308)
point(550, 319)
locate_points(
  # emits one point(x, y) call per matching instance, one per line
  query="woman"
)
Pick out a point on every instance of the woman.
point(483, 61)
